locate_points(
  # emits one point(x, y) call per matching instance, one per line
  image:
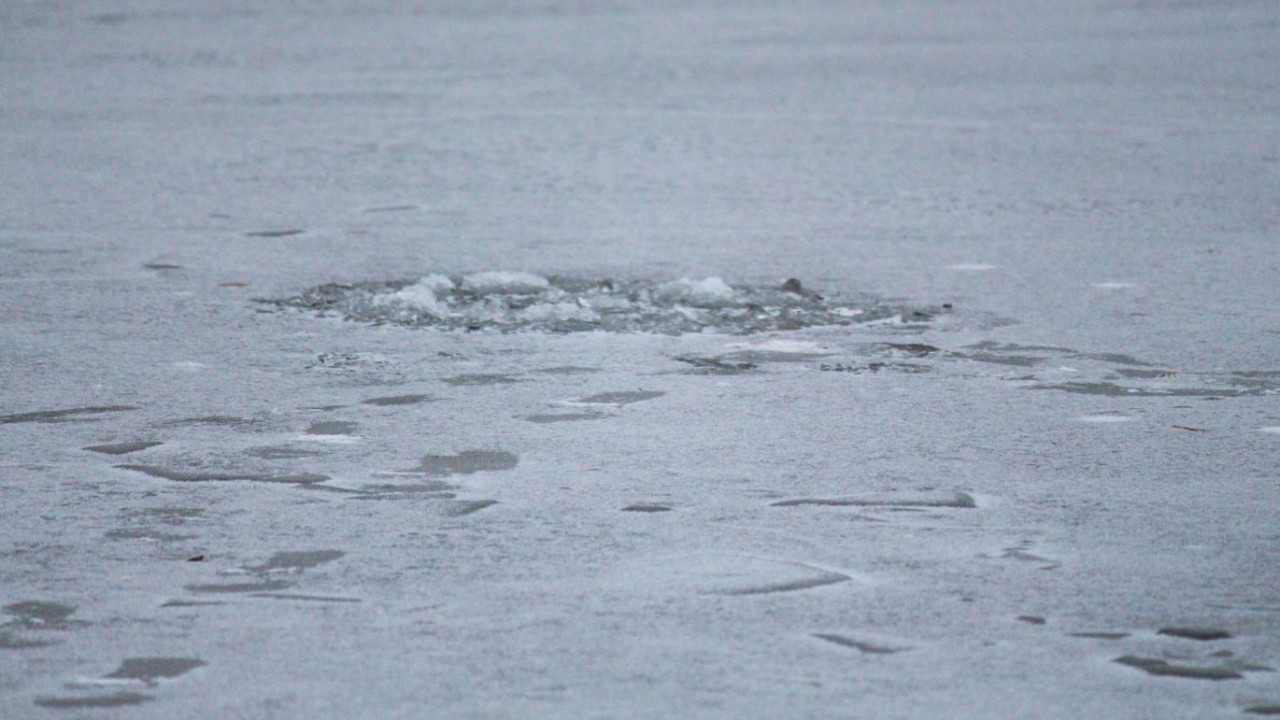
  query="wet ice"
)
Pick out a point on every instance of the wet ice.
point(859, 645)
point(466, 462)
point(177, 475)
point(117, 699)
point(122, 448)
point(150, 669)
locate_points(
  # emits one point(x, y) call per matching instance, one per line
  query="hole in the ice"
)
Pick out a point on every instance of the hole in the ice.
point(514, 301)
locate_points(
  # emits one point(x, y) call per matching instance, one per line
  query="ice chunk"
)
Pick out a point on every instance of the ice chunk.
point(543, 312)
point(513, 283)
point(425, 295)
point(711, 292)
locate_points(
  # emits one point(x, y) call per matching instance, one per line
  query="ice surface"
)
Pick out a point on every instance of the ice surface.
point(658, 359)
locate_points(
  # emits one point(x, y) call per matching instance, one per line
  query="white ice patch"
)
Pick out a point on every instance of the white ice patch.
point(1113, 285)
point(424, 295)
point(1104, 419)
point(1272, 430)
point(711, 292)
point(509, 283)
point(972, 267)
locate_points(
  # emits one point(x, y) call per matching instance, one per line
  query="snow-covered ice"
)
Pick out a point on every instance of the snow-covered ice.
point(639, 360)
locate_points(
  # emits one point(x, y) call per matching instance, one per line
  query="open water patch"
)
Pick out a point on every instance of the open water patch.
point(518, 301)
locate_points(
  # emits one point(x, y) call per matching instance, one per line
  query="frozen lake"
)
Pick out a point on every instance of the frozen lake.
point(617, 359)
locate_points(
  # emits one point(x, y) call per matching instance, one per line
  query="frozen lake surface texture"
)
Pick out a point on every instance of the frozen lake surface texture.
point(675, 359)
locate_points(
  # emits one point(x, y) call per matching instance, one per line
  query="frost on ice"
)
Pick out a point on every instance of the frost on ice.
point(511, 301)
